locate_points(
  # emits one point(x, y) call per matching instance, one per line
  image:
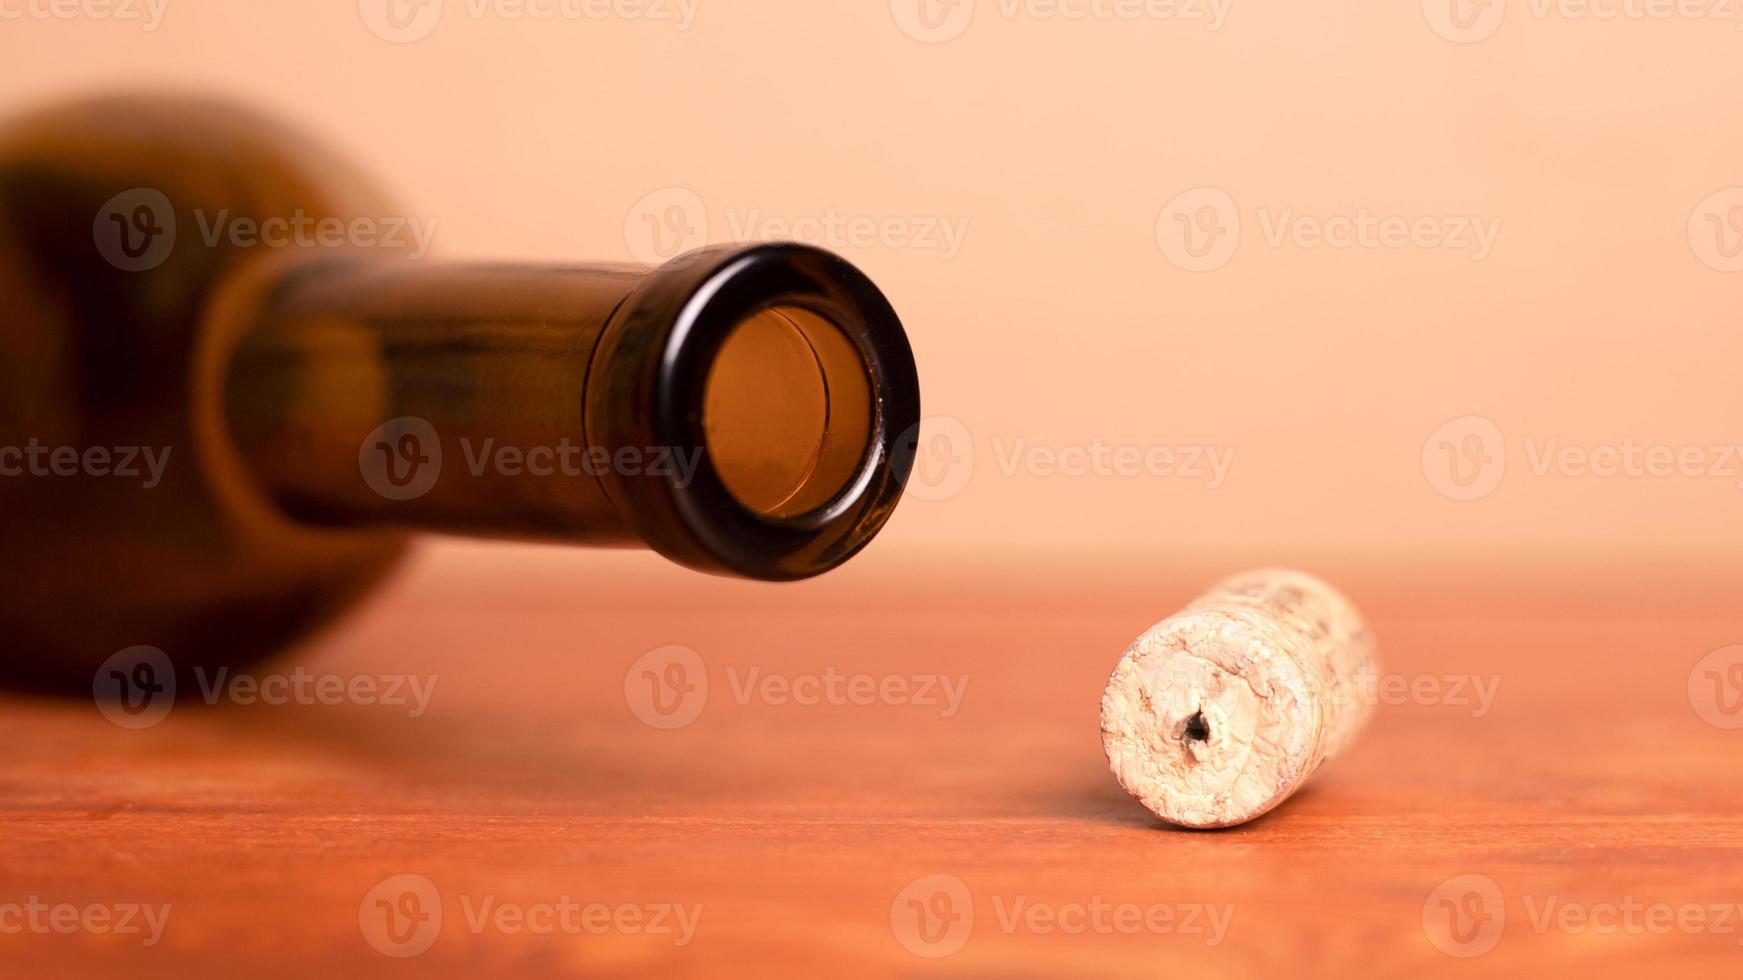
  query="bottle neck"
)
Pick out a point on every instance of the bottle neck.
point(434, 396)
point(745, 410)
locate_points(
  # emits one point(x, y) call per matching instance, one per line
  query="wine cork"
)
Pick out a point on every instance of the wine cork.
point(1221, 711)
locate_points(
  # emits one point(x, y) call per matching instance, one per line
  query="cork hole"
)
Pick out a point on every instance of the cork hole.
point(1197, 729)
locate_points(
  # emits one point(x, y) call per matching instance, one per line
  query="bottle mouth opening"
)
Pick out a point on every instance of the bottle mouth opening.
point(787, 411)
point(786, 371)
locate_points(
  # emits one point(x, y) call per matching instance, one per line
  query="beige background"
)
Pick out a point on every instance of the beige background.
point(1065, 317)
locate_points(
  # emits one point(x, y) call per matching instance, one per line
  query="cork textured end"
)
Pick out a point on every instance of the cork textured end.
point(1217, 714)
point(1205, 724)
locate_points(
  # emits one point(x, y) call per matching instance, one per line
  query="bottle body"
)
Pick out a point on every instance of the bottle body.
point(739, 409)
point(105, 347)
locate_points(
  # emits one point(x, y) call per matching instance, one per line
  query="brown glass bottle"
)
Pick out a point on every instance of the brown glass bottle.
point(293, 412)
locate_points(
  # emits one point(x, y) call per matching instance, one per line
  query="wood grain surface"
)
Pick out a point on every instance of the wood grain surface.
point(1580, 816)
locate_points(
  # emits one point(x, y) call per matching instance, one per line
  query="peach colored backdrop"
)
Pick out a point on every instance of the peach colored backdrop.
point(1110, 229)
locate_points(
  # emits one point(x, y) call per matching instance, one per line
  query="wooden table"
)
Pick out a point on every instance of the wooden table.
point(893, 837)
